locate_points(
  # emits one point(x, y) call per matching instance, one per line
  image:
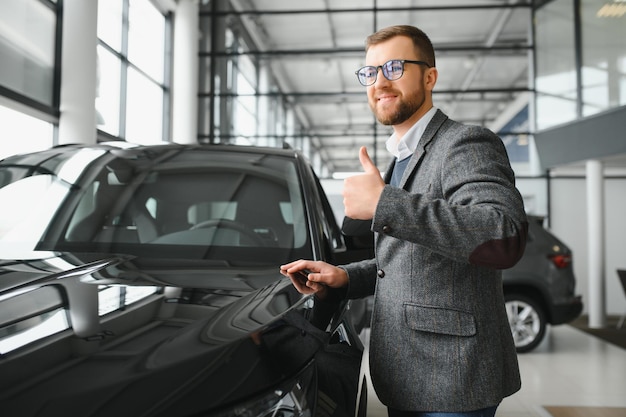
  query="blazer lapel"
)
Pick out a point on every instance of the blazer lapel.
point(387, 176)
point(427, 137)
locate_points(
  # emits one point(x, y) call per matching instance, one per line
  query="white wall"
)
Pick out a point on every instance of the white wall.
point(569, 211)
point(535, 194)
point(568, 222)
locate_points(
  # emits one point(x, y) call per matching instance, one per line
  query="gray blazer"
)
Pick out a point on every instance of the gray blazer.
point(440, 338)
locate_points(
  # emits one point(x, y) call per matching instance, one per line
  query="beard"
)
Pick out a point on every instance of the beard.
point(402, 112)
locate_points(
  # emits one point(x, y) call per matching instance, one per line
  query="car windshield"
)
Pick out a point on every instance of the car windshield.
point(227, 206)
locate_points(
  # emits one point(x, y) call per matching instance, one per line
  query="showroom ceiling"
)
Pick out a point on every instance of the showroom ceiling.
point(315, 46)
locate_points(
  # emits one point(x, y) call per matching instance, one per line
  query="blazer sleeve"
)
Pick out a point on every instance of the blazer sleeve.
point(466, 207)
point(361, 278)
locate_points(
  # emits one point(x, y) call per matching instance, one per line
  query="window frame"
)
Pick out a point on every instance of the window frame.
point(126, 65)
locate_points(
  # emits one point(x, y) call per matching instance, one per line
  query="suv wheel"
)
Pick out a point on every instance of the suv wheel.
point(527, 320)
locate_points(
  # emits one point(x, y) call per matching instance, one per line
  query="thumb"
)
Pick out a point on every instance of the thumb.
point(366, 162)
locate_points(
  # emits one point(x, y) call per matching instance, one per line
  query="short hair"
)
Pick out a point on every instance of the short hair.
point(421, 41)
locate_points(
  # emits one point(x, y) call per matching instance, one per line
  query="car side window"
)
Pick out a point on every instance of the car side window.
point(332, 231)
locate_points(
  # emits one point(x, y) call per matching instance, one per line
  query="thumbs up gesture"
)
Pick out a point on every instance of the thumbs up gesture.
point(362, 192)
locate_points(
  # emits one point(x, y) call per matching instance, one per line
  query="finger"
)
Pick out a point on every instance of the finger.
point(299, 285)
point(292, 266)
point(366, 162)
point(315, 286)
point(301, 266)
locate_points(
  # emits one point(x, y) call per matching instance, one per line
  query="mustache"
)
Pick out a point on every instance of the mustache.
point(386, 93)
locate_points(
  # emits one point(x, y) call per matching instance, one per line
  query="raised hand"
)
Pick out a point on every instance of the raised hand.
point(362, 192)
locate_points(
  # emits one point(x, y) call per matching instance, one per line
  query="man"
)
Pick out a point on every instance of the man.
point(446, 218)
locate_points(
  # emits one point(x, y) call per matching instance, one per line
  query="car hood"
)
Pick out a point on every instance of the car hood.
point(209, 337)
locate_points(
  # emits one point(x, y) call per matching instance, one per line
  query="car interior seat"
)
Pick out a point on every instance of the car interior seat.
point(259, 208)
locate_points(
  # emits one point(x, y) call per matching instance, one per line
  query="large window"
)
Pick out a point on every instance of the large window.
point(265, 80)
point(556, 64)
point(28, 39)
point(23, 133)
point(240, 100)
point(603, 55)
point(133, 87)
point(27, 49)
point(245, 104)
point(578, 79)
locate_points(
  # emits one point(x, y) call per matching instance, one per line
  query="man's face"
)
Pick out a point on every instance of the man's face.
point(403, 101)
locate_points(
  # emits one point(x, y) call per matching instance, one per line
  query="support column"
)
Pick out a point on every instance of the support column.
point(185, 72)
point(77, 122)
point(595, 227)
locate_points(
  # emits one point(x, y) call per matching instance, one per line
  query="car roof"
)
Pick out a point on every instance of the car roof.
point(126, 149)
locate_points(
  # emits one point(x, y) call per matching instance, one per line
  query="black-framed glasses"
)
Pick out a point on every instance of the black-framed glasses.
point(392, 70)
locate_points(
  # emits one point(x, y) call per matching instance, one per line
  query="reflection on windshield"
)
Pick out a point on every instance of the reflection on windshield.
point(27, 207)
point(31, 195)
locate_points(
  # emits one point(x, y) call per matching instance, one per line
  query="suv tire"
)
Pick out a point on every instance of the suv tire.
point(527, 320)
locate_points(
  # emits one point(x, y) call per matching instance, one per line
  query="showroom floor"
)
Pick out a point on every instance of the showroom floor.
point(571, 374)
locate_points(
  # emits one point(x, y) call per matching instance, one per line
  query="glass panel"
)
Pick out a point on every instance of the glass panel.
point(516, 147)
point(28, 331)
point(246, 93)
point(113, 298)
point(23, 133)
point(109, 299)
point(145, 38)
point(144, 112)
point(136, 293)
point(31, 316)
point(110, 23)
point(27, 39)
point(244, 111)
point(604, 55)
point(204, 120)
point(516, 138)
point(108, 92)
point(23, 219)
point(595, 89)
point(555, 61)
point(554, 110)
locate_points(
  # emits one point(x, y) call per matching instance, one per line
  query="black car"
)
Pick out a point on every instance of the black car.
point(144, 281)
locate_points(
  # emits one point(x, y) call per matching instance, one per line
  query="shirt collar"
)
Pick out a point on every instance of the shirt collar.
point(406, 146)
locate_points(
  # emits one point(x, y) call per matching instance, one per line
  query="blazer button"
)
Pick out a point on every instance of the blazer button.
point(380, 273)
point(386, 229)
